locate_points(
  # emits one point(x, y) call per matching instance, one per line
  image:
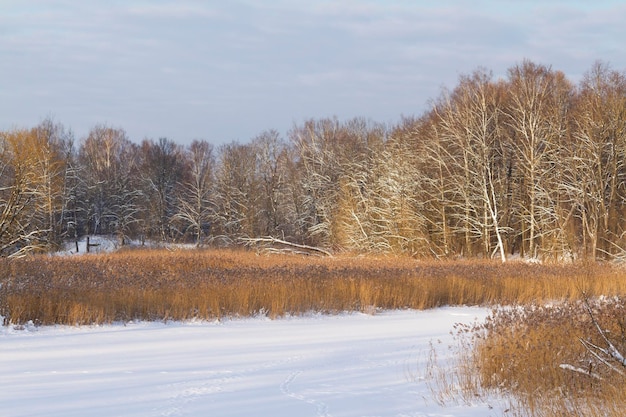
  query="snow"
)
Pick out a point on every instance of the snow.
point(98, 244)
point(109, 244)
point(341, 366)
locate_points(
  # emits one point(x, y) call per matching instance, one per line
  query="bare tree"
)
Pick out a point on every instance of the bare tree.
point(536, 118)
point(437, 188)
point(332, 158)
point(162, 169)
point(54, 147)
point(294, 196)
point(380, 206)
point(468, 124)
point(237, 192)
point(396, 207)
point(271, 175)
point(599, 160)
point(109, 188)
point(320, 171)
point(196, 205)
point(25, 193)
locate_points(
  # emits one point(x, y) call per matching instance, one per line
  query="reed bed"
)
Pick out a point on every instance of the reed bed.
point(546, 359)
point(211, 284)
point(517, 352)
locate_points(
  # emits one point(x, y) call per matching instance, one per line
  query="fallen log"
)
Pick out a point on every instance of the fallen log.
point(273, 240)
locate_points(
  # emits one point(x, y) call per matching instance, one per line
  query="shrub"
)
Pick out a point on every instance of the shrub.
point(550, 357)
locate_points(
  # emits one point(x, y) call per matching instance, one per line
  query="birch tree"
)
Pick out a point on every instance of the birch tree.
point(30, 190)
point(320, 171)
point(162, 169)
point(54, 149)
point(536, 120)
point(600, 159)
point(16, 196)
point(110, 191)
point(469, 121)
point(196, 203)
point(270, 174)
point(399, 201)
point(237, 192)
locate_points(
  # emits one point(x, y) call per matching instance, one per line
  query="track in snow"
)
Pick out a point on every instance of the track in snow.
point(339, 366)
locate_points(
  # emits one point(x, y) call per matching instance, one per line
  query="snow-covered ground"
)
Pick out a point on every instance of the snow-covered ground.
point(97, 244)
point(345, 365)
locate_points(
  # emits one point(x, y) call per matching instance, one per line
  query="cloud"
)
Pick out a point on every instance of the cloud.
point(140, 62)
point(173, 10)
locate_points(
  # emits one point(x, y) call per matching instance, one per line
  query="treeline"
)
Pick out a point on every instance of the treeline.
point(531, 165)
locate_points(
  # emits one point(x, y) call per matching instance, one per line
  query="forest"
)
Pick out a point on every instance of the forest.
point(528, 165)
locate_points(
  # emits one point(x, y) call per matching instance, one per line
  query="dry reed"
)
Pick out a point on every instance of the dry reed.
point(536, 356)
point(209, 284)
point(518, 351)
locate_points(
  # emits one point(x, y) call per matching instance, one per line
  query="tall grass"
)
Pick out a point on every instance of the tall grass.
point(180, 285)
point(538, 357)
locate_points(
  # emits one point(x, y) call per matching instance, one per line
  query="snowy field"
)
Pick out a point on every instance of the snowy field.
point(343, 366)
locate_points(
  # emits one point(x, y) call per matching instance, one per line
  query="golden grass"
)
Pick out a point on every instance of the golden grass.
point(533, 354)
point(517, 352)
point(209, 284)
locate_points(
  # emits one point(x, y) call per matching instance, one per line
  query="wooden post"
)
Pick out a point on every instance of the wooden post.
point(89, 245)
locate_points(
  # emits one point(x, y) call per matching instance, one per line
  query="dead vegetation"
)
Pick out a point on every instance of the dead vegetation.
point(548, 355)
point(210, 284)
point(546, 360)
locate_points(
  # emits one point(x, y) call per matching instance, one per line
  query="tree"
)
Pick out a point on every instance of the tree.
point(270, 175)
point(599, 160)
point(237, 192)
point(162, 170)
point(366, 217)
point(438, 191)
point(536, 117)
point(15, 196)
point(109, 191)
point(328, 152)
point(387, 210)
point(54, 148)
point(28, 190)
point(196, 205)
point(469, 128)
point(319, 173)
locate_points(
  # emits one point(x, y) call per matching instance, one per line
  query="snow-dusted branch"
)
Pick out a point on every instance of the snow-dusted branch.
point(273, 240)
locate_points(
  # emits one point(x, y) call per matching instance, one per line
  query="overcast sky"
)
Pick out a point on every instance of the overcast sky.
point(230, 69)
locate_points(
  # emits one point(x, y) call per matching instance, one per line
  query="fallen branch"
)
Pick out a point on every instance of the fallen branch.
point(590, 348)
point(273, 240)
point(611, 351)
point(585, 372)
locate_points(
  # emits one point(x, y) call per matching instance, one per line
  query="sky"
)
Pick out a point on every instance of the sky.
point(226, 71)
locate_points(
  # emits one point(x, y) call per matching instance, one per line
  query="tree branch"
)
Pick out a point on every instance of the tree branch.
point(273, 240)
